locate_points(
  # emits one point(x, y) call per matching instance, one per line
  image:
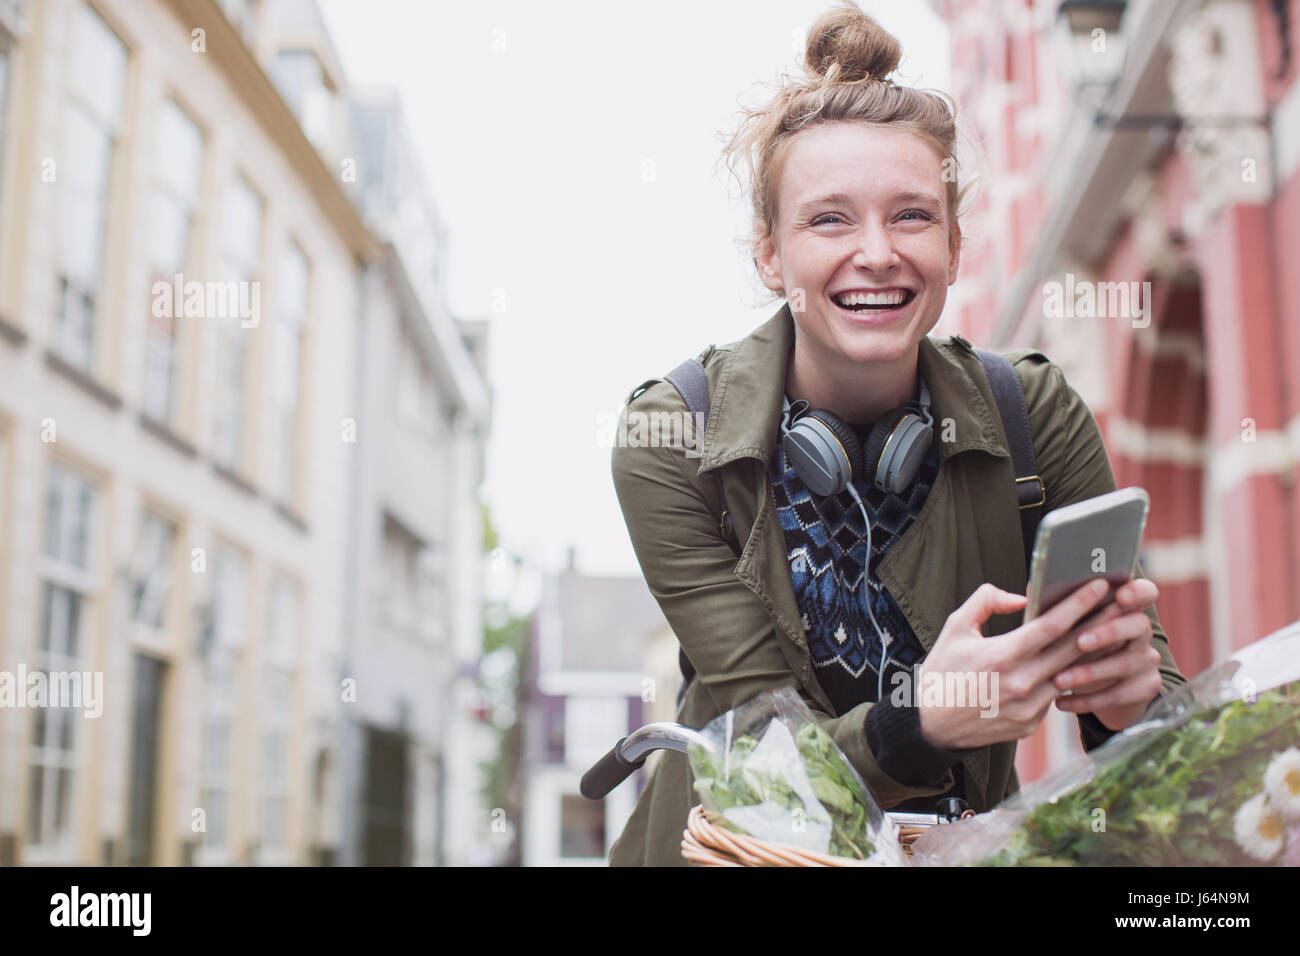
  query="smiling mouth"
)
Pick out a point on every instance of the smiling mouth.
point(877, 304)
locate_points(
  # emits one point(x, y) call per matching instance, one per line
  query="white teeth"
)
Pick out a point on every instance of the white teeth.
point(872, 298)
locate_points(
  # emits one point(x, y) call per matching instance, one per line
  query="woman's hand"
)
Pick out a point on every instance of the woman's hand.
point(1023, 662)
point(1120, 675)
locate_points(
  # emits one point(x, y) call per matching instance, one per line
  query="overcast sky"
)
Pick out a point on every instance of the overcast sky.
point(572, 148)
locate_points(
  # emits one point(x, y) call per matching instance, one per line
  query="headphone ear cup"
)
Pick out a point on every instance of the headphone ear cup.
point(875, 446)
point(845, 436)
point(897, 448)
point(824, 452)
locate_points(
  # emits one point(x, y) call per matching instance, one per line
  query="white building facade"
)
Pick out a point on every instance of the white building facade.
point(185, 281)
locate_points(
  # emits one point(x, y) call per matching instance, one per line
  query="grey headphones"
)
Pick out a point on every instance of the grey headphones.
point(828, 458)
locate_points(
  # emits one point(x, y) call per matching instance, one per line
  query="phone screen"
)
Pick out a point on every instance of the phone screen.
point(1098, 538)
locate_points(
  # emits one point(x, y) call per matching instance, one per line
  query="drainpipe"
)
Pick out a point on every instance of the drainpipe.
point(350, 752)
point(1286, 479)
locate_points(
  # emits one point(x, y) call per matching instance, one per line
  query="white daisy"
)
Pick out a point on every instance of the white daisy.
point(1282, 783)
point(1259, 828)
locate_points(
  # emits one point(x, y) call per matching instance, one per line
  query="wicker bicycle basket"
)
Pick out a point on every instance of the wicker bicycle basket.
point(704, 843)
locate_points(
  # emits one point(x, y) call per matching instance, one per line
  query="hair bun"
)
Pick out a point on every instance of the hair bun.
point(849, 45)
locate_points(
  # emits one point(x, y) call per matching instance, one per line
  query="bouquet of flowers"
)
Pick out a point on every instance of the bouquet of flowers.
point(1210, 777)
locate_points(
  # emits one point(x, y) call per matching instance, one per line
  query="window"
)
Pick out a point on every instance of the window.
point(91, 130)
point(301, 82)
point(66, 587)
point(582, 827)
point(399, 576)
point(431, 598)
point(236, 11)
point(4, 91)
point(406, 601)
point(239, 254)
point(219, 695)
point(243, 16)
point(589, 724)
point(178, 152)
point(151, 570)
point(290, 316)
point(414, 391)
point(277, 693)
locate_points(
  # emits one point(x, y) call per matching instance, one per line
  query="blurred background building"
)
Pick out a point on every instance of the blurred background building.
point(592, 681)
point(240, 445)
point(413, 587)
point(1149, 149)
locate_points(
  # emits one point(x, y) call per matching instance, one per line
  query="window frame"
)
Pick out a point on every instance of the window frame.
point(278, 664)
point(220, 673)
point(187, 203)
point(233, 350)
point(289, 328)
point(73, 577)
point(73, 337)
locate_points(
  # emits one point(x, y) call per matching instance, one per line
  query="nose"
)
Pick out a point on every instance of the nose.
point(875, 251)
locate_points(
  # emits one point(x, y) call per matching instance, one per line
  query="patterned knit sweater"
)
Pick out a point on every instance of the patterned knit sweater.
point(826, 545)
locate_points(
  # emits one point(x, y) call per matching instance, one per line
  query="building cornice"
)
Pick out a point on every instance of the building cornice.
point(438, 337)
point(228, 52)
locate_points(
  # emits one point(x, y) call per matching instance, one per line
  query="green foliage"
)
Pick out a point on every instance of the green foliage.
point(491, 540)
point(832, 782)
point(502, 663)
point(1171, 802)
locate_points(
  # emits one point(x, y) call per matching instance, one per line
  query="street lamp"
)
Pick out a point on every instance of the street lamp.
point(1092, 30)
point(1084, 16)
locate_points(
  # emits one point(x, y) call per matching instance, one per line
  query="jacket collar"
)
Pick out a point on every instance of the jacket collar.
point(745, 411)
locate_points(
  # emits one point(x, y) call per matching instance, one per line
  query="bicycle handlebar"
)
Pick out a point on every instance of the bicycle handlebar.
point(626, 756)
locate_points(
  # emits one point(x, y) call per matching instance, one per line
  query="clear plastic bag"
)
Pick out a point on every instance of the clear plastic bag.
point(771, 771)
point(1210, 776)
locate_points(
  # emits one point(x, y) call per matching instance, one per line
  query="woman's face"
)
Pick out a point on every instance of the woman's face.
point(860, 208)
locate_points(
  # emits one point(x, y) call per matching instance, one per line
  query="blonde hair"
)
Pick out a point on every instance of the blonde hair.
point(848, 59)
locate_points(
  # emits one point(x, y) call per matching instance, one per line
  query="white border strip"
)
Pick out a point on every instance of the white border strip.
point(1286, 136)
point(1272, 452)
point(1147, 444)
point(1175, 561)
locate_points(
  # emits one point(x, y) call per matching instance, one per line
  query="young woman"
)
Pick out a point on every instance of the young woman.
point(855, 203)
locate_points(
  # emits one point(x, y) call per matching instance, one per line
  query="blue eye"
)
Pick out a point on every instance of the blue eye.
point(830, 215)
point(917, 211)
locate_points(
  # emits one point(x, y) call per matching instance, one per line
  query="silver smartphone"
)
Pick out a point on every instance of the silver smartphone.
point(1097, 538)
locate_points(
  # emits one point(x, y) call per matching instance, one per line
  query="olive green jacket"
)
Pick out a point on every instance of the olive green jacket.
point(738, 620)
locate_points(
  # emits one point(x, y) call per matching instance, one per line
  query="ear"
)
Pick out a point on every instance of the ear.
point(954, 256)
point(767, 259)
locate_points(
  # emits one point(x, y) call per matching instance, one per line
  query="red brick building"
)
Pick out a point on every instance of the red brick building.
point(1138, 221)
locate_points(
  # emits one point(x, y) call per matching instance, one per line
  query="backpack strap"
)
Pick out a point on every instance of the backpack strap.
point(692, 383)
point(1010, 398)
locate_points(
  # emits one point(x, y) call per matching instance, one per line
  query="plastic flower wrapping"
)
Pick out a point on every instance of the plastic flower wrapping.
point(1210, 777)
point(770, 771)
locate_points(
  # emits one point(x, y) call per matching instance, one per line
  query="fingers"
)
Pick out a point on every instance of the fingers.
point(1064, 651)
point(1043, 630)
point(1138, 688)
point(1040, 700)
point(1138, 593)
point(1093, 656)
point(1091, 688)
point(985, 601)
point(1108, 634)
point(1138, 656)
